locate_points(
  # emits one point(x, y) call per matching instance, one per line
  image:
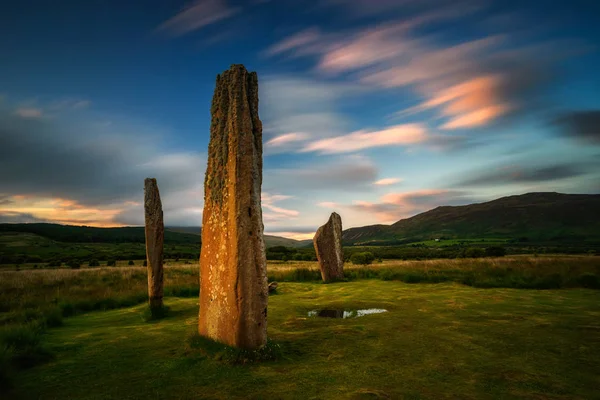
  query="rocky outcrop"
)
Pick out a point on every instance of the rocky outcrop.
point(233, 272)
point(328, 246)
point(155, 234)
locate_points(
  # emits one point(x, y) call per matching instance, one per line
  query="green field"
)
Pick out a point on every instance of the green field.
point(435, 341)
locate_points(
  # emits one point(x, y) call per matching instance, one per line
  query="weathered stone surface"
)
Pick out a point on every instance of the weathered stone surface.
point(233, 268)
point(328, 246)
point(155, 234)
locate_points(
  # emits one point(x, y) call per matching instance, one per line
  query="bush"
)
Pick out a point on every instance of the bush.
point(474, 252)
point(74, 265)
point(145, 263)
point(364, 258)
point(54, 263)
point(589, 280)
point(94, 263)
point(495, 251)
point(130, 263)
point(111, 263)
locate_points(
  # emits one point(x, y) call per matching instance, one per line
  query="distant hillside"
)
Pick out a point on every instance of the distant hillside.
point(129, 234)
point(531, 216)
point(270, 240)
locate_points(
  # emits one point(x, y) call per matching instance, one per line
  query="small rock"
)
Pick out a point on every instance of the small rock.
point(272, 287)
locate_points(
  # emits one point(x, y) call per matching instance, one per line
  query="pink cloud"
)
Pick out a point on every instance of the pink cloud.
point(387, 181)
point(395, 206)
point(276, 213)
point(29, 112)
point(396, 135)
point(287, 138)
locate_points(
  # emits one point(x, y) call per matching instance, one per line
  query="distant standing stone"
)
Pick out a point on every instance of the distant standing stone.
point(155, 232)
point(328, 246)
point(233, 268)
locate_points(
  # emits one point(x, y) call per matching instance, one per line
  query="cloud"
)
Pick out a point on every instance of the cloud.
point(69, 104)
point(11, 217)
point(469, 83)
point(99, 169)
point(387, 181)
point(583, 125)
point(287, 138)
point(395, 206)
point(328, 204)
point(29, 112)
point(298, 40)
point(398, 135)
point(272, 212)
point(199, 14)
point(350, 173)
point(295, 109)
point(524, 174)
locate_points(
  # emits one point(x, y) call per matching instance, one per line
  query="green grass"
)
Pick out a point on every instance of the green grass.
point(35, 300)
point(436, 341)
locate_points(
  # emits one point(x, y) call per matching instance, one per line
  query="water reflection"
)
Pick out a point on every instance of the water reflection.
point(341, 313)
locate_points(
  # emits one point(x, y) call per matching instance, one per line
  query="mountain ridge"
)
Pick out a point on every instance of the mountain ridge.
point(535, 215)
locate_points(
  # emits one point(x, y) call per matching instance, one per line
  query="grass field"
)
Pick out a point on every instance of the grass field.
point(435, 341)
point(469, 336)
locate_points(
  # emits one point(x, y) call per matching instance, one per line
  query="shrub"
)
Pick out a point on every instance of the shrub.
point(363, 258)
point(54, 263)
point(130, 263)
point(74, 264)
point(145, 263)
point(589, 280)
point(495, 251)
point(474, 252)
point(111, 263)
point(94, 263)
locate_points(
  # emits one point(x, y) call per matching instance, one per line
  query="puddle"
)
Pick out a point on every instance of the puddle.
point(340, 313)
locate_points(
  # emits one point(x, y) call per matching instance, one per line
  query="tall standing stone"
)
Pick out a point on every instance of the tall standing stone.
point(328, 246)
point(155, 236)
point(233, 267)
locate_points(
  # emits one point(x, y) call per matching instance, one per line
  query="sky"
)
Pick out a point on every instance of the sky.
point(375, 109)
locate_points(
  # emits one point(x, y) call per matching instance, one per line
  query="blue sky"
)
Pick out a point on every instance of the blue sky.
point(376, 109)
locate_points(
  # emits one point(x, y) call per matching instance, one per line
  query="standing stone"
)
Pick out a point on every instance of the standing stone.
point(328, 246)
point(233, 267)
point(155, 237)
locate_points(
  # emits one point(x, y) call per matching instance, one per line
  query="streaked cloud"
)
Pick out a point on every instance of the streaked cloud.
point(583, 125)
point(287, 138)
point(387, 181)
point(28, 112)
point(199, 14)
point(511, 174)
point(349, 173)
point(328, 204)
point(468, 83)
point(398, 135)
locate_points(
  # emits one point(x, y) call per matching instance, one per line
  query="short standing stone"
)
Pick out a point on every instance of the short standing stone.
point(328, 246)
point(155, 232)
point(233, 272)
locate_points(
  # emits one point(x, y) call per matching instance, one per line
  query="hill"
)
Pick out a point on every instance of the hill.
point(529, 217)
point(129, 234)
point(270, 240)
